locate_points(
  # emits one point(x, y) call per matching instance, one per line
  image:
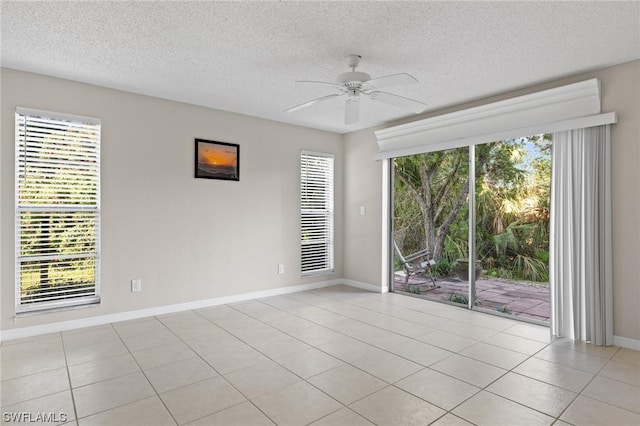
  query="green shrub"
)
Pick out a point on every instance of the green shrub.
point(442, 268)
point(503, 309)
point(413, 289)
point(457, 298)
point(542, 255)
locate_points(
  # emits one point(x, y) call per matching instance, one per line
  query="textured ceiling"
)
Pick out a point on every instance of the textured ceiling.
point(246, 56)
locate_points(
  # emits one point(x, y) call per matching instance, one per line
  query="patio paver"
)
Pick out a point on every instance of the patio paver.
point(521, 300)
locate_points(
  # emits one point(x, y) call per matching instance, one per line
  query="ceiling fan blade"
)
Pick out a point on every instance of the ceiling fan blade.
point(392, 80)
point(324, 83)
point(311, 102)
point(352, 111)
point(399, 101)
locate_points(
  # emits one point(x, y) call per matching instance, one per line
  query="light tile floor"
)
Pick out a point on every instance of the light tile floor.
point(335, 356)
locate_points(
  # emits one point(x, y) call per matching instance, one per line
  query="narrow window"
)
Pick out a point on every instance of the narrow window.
point(57, 210)
point(316, 213)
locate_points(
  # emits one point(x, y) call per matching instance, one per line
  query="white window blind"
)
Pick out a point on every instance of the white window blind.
point(57, 210)
point(316, 212)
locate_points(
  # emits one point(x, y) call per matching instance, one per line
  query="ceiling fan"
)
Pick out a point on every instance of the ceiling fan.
point(355, 84)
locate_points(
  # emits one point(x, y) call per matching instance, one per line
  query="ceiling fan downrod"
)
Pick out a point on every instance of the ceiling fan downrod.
point(353, 78)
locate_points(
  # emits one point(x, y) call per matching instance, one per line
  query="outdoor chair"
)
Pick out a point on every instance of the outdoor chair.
point(418, 263)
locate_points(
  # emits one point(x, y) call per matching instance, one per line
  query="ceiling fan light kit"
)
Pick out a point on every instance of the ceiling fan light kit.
point(353, 84)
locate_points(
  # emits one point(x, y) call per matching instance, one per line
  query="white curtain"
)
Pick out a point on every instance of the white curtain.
point(580, 243)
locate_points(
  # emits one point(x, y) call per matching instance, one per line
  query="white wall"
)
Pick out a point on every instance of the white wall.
point(620, 93)
point(192, 239)
point(187, 239)
point(363, 187)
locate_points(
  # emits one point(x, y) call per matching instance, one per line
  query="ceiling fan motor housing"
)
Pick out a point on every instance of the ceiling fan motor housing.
point(353, 77)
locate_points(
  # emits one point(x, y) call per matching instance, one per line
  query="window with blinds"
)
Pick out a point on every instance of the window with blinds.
point(57, 210)
point(316, 212)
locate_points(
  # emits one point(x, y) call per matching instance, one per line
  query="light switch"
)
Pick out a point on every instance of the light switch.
point(363, 210)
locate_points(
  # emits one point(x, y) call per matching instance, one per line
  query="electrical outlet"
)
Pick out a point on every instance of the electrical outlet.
point(136, 285)
point(281, 268)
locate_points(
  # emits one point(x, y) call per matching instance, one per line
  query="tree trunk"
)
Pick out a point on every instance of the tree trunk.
point(426, 207)
point(443, 229)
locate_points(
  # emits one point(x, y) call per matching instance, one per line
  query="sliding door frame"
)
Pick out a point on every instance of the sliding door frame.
point(389, 209)
point(471, 203)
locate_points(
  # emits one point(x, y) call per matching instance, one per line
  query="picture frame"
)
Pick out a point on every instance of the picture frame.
point(217, 160)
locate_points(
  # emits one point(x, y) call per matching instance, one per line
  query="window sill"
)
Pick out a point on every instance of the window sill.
point(55, 309)
point(318, 273)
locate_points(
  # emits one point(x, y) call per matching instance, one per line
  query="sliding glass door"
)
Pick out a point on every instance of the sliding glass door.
point(471, 224)
point(431, 209)
point(513, 183)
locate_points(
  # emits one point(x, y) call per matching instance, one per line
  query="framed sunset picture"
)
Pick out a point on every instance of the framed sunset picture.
point(217, 160)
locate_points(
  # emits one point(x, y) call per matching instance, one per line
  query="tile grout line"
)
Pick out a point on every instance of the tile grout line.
point(529, 356)
point(580, 393)
point(145, 374)
point(292, 372)
point(457, 353)
point(73, 397)
point(485, 388)
point(219, 373)
point(345, 304)
point(388, 384)
point(117, 377)
point(42, 372)
point(348, 363)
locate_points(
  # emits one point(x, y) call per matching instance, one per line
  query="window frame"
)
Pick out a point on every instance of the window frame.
point(91, 209)
point(328, 260)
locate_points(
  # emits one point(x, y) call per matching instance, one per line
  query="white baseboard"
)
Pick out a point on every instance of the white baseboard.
point(365, 286)
point(55, 327)
point(625, 342)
